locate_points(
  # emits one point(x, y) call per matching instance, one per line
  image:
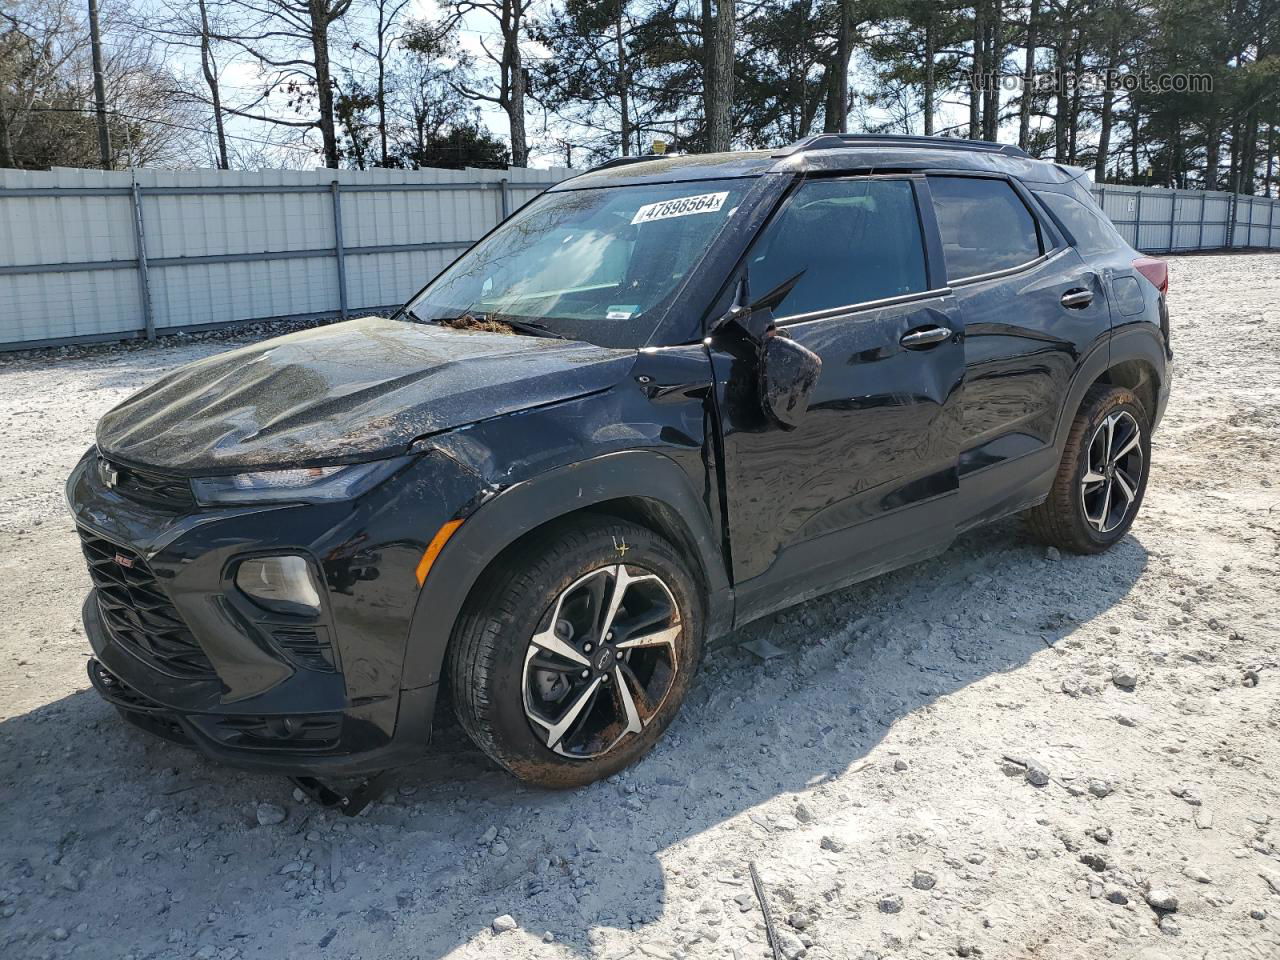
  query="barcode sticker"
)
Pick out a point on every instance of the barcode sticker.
point(680, 207)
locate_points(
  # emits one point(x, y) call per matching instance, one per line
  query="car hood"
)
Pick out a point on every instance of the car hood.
point(362, 389)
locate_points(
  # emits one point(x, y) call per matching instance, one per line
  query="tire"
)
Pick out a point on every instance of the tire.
point(1076, 516)
point(514, 683)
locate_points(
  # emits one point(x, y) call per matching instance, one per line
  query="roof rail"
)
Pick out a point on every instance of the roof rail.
point(623, 161)
point(832, 141)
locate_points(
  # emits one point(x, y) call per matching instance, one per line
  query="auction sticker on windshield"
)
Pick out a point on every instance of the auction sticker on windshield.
point(680, 207)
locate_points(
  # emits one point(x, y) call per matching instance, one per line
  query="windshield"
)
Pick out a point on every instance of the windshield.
point(597, 265)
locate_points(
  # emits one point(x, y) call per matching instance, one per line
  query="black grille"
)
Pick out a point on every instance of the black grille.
point(146, 486)
point(312, 732)
point(306, 647)
point(138, 614)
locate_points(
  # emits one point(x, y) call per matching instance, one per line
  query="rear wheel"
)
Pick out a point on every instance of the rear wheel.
point(574, 652)
point(1102, 477)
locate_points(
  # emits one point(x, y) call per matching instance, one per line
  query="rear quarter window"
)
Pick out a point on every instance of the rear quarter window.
point(984, 226)
point(1089, 227)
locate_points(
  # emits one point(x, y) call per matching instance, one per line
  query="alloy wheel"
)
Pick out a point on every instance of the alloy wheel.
point(604, 661)
point(1110, 485)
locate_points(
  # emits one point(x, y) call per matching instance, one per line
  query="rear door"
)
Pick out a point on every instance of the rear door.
point(869, 478)
point(1031, 307)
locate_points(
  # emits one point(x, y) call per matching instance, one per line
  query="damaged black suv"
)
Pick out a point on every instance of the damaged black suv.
point(663, 399)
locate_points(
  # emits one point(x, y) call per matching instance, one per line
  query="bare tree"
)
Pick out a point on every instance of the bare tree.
point(289, 40)
point(183, 27)
point(47, 91)
point(386, 34)
point(511, 87)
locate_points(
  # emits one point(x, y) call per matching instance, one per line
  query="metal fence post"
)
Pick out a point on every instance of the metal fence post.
point(1173, 220)
point(1232, 208)
point(336, 193)
point(144, 279)
point(1137, 221)
point(506, 198)
point(1200, 232)
point(1271, 223)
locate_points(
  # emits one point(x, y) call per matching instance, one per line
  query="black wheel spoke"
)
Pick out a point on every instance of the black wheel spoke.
point(1113, 473)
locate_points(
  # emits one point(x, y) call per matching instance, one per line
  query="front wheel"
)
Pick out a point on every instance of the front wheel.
point(574, 652)
point(1102, 477)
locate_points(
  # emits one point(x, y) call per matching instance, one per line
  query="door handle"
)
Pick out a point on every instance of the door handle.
point(924, 337)
point(1077, 299)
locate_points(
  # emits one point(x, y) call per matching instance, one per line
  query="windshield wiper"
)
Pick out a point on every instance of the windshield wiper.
point(534, 329)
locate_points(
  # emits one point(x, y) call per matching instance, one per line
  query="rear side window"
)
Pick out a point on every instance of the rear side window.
point(984, 225)
point(854, 240)
point(1089, 226)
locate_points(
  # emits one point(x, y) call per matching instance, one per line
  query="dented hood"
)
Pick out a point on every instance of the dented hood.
point(357, 390)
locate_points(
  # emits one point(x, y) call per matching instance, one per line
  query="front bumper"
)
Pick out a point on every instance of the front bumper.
point(237, 692)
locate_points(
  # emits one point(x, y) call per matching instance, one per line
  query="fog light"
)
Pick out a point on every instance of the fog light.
point(283, 584)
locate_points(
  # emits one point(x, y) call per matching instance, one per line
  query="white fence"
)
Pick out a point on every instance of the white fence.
point(1156, 220)
point(86, 255)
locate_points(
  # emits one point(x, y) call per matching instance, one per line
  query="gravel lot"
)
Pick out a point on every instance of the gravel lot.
point(882, 773)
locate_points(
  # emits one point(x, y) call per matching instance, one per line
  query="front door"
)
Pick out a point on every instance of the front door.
point(868, 480)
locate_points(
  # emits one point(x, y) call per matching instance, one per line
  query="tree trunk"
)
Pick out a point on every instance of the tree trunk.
point(623, 81)
point(1062, 115)
point(837, 119)
point(1024, 109)
point(324, 81)
point(1212, 153)
point(1073, 127)
point(1249, 153)
point(515, 113)
point(513, 85)
point(930, 70)
point(384, 160)
point(1266, 180)
point(215, 91)
point(1133, 143)
point(975, 74)
point(717, 84)
point(993, 58)
point(6, 140)
point(1108, 106)
point(99, 88)
point(1233, 169)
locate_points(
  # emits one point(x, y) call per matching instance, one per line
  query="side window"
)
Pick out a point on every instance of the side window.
point(984, 225)
point(1089, 226)
point(854, 240)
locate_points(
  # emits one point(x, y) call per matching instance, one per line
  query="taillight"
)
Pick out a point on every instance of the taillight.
point(1157, 271)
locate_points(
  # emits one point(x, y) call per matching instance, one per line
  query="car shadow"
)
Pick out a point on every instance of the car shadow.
point(457, 842)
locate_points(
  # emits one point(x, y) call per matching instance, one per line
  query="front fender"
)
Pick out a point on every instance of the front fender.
point(504, 518)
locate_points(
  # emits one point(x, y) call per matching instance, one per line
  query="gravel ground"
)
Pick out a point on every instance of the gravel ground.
point(945, 761)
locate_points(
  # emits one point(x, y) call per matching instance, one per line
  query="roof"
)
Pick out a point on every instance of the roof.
point(830, 153)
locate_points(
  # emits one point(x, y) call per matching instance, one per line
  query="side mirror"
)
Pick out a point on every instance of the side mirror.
point(788, 373)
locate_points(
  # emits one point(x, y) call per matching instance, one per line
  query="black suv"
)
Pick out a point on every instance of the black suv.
point(665, 398)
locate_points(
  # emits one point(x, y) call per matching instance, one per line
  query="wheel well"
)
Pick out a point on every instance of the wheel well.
point(1139, 377)
point(645, 511)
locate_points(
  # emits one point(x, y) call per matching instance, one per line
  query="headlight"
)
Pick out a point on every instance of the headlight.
point(283, 584)
point(302, 485)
